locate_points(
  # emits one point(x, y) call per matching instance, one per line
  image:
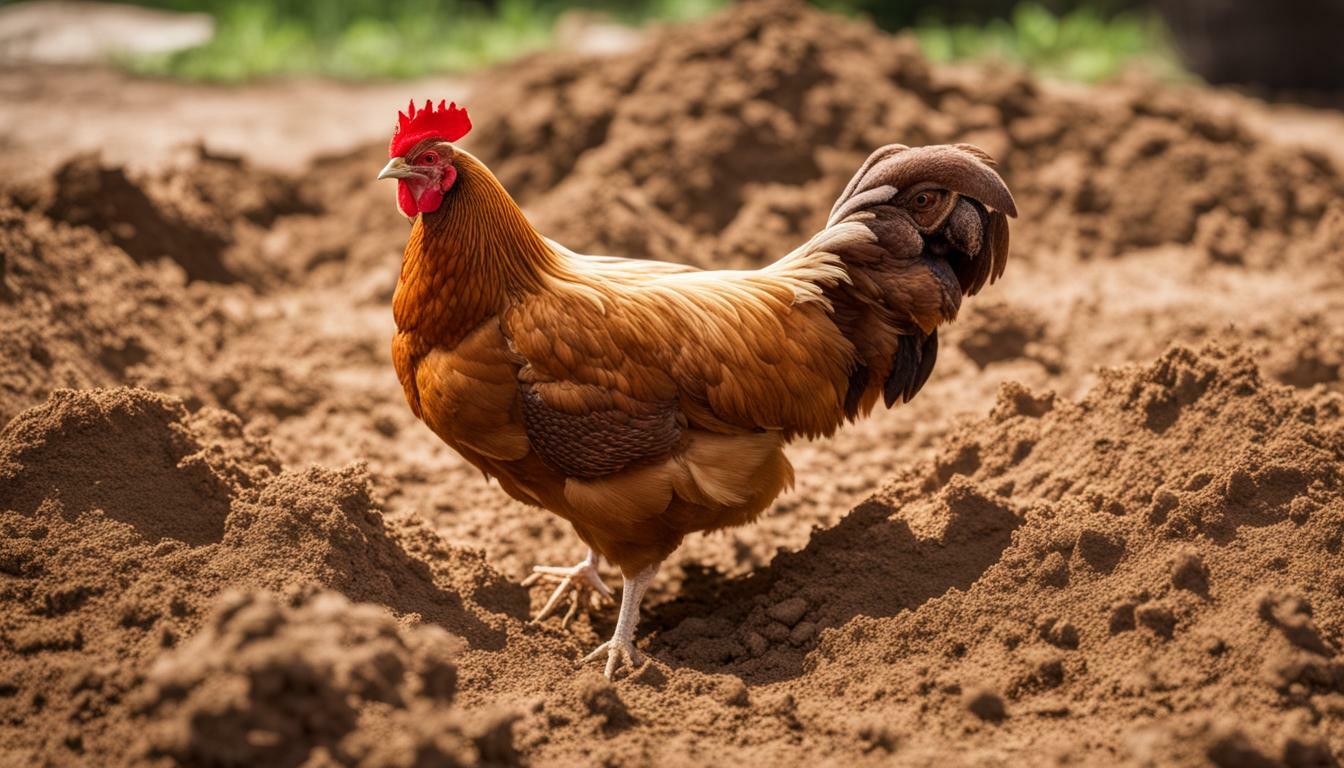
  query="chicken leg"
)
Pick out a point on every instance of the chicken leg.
point(574, 581)
point(621, 646)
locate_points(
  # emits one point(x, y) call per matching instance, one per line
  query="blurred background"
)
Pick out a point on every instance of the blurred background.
point(1273, 47)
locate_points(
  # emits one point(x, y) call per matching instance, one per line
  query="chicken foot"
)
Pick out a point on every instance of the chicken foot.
point(621, 647)
point(574, 581)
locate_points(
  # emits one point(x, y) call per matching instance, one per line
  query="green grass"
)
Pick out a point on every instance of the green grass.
point(1079, 45)
point(356, 39)
point(406, 39)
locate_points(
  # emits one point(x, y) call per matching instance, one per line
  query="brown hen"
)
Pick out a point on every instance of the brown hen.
point(642, 401)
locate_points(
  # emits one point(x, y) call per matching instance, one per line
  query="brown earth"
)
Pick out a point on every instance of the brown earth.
point(1108, 532)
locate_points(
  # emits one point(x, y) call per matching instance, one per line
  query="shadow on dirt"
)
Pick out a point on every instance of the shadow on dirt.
point(881, 560)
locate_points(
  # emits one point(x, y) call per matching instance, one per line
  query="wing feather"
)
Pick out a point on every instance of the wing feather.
point(725, 346)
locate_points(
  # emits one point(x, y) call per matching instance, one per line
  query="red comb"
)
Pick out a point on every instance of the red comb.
point(448, 122)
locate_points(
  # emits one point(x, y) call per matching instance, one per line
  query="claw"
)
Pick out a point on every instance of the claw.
point(572, 581)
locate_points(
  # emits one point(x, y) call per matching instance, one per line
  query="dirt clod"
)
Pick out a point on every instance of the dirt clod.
point(788, 611)
point(1188, 572)
point(986, 705)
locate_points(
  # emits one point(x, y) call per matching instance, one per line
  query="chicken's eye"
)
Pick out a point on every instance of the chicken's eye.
point(429, 158)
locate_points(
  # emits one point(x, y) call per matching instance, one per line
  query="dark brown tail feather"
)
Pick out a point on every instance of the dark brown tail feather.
point(912, 367)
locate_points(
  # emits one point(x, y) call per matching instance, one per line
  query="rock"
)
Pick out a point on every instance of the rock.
point(803, 633)
point(775, 631)
point(756, 643)
point(789, 611)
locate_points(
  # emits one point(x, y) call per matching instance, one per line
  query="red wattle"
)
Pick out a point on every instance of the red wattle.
point(429, 200)
point(405, 200)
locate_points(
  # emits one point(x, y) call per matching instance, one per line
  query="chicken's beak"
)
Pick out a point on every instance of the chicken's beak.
point(396, 168)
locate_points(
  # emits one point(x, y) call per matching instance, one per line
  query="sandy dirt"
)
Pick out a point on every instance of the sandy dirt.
point(1108, 531)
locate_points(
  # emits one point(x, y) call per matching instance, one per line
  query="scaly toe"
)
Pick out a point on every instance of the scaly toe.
point(599, 586)
point(566, 586)
point(574, 602)
point(596, 652)
point(618, 655)
point(575, 582)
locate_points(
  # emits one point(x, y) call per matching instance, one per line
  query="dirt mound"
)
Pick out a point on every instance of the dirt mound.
point(204, 216)
point(267, 683)
point(1165, 547)
point(751, 118)
point(88, 194)
point(1038, 569)
point(76, 312)
point(108, 278)
point(124, 516)
point(735, 134)
point(208, 214)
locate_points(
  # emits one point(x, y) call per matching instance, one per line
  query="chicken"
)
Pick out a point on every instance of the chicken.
point(643, 401)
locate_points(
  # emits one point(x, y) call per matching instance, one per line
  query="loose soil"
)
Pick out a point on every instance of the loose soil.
point(1108, 531)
